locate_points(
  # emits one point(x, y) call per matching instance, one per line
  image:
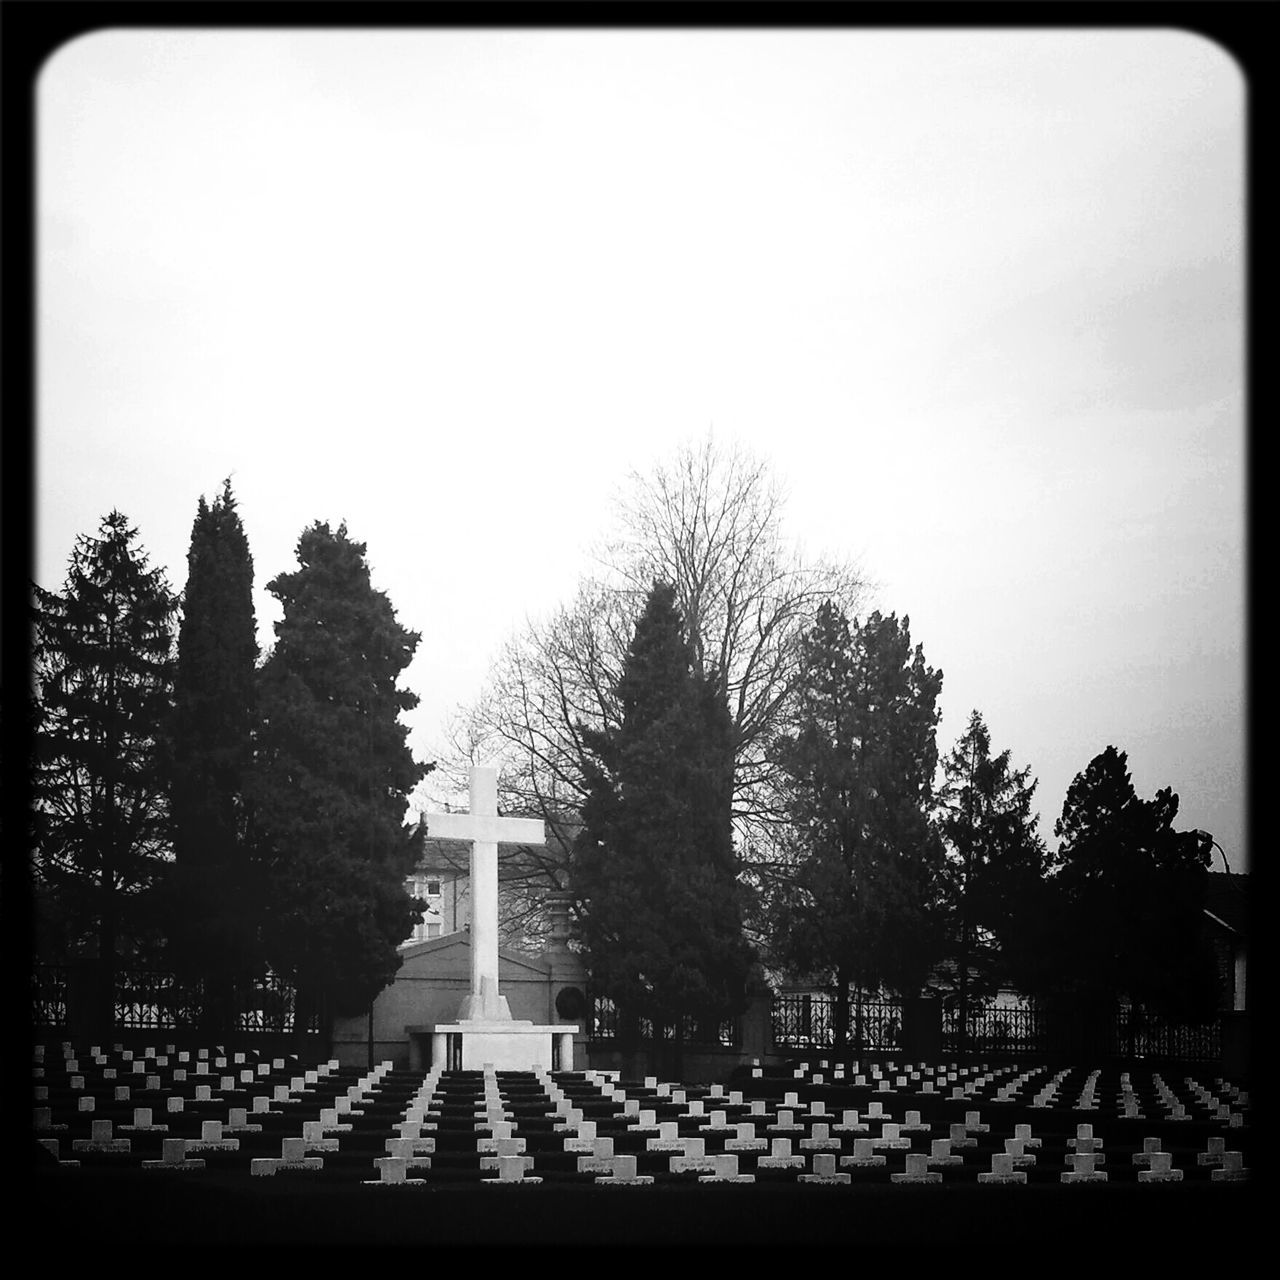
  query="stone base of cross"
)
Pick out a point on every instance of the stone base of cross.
point(486, 1005)
point(488, 1032)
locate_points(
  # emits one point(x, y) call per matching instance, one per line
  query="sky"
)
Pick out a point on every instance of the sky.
point(976, 297)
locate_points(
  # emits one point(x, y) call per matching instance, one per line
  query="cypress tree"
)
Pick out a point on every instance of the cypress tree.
point(211, 753)
point(654, 870)
point(332, 780)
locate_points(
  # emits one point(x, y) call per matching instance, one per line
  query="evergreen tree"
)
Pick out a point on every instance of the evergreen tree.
point(213, 894)
point(103, 679)
point(654, 869)
point(995, 859)
point(332, 779)
point(1129, 894)
point(857, 788)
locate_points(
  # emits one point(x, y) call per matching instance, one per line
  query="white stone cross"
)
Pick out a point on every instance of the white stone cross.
point(483, 828)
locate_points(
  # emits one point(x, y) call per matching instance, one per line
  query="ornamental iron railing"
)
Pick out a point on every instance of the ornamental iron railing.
point(271, 1005)
point(1139, 1035)
point(154, 1000)
point(723, 1033)
point(993, 1028)
point(49, 996)
point(807, 1020)
point(150, 1000)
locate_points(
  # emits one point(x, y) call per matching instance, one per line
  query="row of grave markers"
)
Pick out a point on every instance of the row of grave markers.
point(773, 1148)
point(688, 1155)
point(1229, 1104)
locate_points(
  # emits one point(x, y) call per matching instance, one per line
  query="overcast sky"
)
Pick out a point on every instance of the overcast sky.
point(975, 296)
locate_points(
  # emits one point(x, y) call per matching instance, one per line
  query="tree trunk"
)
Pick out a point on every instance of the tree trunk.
point(218, 1023)
point(627, 1032)
point(840, 1028)
point(104, 999)
point(677, 1050)
point(962, 986)
point(306, 1004)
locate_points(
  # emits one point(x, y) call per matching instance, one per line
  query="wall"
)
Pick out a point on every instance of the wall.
point(434, 977)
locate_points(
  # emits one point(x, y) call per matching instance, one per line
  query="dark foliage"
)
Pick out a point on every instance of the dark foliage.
point(332, 778)
point(654, 871)
point(858, 769)
point(103, 681)
point(213, 894)
point(995, 863)
point(1123, 917)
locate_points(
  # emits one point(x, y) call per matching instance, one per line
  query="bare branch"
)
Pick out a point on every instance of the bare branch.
point(709, 523)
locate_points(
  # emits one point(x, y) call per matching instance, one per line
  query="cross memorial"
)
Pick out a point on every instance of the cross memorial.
point(487, 1031)
point(484, 829)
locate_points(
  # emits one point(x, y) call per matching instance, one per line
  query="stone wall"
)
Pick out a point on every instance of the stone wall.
point(434, 977)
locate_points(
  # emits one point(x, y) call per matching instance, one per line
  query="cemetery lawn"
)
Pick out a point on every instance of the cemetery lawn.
point(96, 1210)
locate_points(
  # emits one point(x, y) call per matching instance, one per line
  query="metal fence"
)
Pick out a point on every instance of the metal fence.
point(49, 996)
point(1141, 1036)
point(149, 1000)
point(1130, 1033)
point(807, 1021)
point(154, 1000)
point(993, 1028)
point(270, 1005)
point(605, 1017)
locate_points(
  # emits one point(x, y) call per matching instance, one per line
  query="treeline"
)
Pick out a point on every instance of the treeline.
point(736, 761)
point(724, 741)
point(893, 872)
point(205, 809)
point(909, 874)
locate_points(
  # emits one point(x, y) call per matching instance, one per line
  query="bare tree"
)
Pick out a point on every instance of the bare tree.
point(710, 523)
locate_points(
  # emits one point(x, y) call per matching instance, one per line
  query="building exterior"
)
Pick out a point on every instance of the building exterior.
point(440, 884)
point(435, 976)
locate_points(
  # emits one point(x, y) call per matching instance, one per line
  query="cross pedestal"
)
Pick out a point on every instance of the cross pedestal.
point(486, 1031)
point(515, 1045)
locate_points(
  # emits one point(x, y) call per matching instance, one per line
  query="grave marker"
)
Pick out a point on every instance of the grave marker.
point(293, 1159)
point(725, 1169)
point(621, 1172)
point(917, 1170)
point(1002, 1171)
point(1083, 1169)
point(824, 1171)
point(1232, 1169)
point(1160, 1168)
point(780, 1156)
point(941, 1155)
point(173, 1158)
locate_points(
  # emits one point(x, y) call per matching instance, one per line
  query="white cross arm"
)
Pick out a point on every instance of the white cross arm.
point(486, 828)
